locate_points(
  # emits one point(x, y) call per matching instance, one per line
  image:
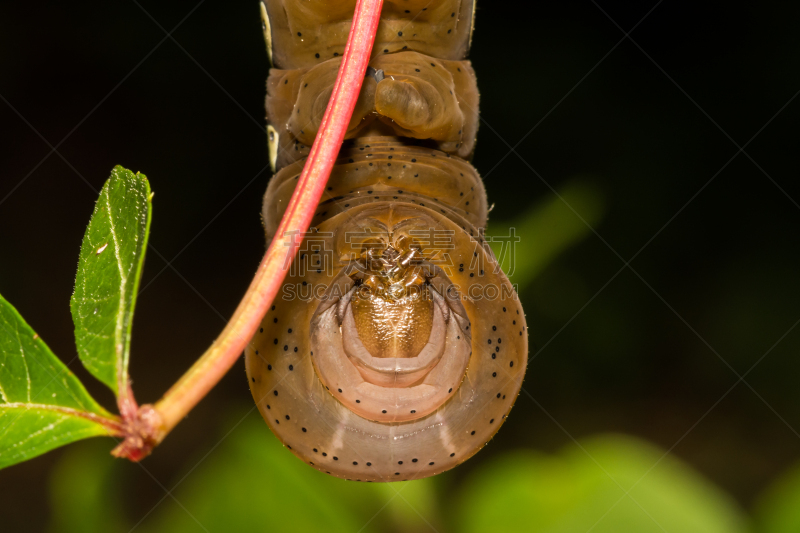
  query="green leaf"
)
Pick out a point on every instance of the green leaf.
point(611, 483)
point(110, 265)
point(42, 404)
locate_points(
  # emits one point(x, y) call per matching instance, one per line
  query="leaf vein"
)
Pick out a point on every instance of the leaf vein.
point(118, 327)
point(64, 411)
point(45, 429)
point(24, 360)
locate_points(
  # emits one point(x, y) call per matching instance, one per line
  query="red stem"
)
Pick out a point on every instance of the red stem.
point(154, 422)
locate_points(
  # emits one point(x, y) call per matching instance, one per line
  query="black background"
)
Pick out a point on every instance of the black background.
point(655, 122)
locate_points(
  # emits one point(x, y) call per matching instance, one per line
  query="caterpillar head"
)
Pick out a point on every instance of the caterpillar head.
point(396, 349)
point(392, 335)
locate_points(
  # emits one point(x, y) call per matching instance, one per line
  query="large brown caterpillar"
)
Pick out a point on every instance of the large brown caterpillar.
point(397, 346)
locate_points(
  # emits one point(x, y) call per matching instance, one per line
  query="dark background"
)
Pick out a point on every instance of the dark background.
point(655, 124)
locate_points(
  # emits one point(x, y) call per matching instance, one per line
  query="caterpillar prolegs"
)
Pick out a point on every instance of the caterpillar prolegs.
point(397, 345)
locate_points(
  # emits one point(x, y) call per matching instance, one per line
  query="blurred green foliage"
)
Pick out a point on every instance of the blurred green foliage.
point(250, 481)
point(84, 491)
point(778, 509)
point(545, 230)
point(608, 483)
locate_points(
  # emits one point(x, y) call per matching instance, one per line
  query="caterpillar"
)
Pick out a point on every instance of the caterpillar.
point(397, 346)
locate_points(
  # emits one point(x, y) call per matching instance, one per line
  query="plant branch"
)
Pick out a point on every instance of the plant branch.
point(153, 423)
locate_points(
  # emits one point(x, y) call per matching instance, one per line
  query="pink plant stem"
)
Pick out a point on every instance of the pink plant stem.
point(227, 348)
